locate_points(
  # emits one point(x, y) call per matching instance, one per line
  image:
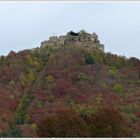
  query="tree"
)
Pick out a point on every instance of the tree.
point(21, 112)
point(61, 87)
point(109, 122)
point(89, 60)
point(64, 123)
point(118, 88)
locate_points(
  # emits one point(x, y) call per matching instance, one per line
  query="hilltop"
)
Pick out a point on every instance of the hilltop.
point(80, 39)
point(69, 87)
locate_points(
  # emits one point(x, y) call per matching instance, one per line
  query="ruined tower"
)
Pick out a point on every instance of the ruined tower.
point(80, 39)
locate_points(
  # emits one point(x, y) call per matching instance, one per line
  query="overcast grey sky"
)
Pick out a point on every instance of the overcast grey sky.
point(26, 24)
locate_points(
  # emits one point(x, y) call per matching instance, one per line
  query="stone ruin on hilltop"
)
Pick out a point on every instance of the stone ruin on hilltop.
point(81, 39)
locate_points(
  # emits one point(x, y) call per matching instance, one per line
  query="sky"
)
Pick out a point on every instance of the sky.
point(25, 24)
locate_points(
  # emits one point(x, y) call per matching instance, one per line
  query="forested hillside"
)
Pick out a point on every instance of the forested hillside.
point(69, 90)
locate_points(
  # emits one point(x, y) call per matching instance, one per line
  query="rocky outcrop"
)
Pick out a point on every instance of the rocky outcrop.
point(81, 39)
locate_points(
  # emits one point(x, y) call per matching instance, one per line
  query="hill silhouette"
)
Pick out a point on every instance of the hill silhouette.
point(69, 87)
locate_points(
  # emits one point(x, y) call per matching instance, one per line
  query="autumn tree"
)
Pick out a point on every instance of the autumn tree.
point(108, 122)
point(63, 123)
point(61, 87)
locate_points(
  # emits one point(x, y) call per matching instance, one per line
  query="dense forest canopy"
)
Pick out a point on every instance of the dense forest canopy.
point(69, 91)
